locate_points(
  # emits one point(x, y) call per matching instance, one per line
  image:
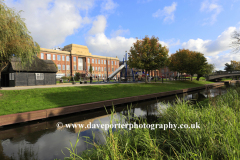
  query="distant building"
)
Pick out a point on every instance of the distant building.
point(77, 58)
point(40, 72)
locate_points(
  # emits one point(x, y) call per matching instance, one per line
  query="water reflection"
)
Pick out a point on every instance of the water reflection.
point(44, 141)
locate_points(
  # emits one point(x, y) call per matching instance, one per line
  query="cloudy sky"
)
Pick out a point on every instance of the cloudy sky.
point(110, 27)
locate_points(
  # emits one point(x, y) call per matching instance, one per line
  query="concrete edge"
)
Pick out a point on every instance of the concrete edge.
point(42, 114)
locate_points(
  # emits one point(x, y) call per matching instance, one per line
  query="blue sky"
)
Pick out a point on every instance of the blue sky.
point(110, 27)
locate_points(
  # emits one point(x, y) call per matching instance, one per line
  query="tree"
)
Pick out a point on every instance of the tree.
point(206, 70)
point(236, 42)
point(186, 61)
point(196, 64)
point(178, 61)
point(235, 65)
point(228, 67)
point(90, 68)
point(147, 54)
point(15, 39)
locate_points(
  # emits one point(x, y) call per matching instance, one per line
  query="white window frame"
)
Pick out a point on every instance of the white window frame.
point(96, 61)
point(67, 58)
point(104, 61)
point(74, 67)
point(99, 69)
point(95, 68)
point(112, 62)
point(68, 67)
point(92, 61)
point(63, 67)
point(59, 66)
point(88, 60)
point(11, 76)
point(54, 57)
point(80, 64)
point(42, 55)
point(48, 56)
point(115, 62)
point(58, 57)
point(92, 68)
point(63, 58)
point(39, 76)
point(101, 61)
point(74, 59)
point(102, 69)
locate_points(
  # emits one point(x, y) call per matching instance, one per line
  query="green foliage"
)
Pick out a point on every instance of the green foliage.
point(228, 67)
point(77, 76)
point(90, 69)
point(147, 54)
point(186, 61)
point(15, 38)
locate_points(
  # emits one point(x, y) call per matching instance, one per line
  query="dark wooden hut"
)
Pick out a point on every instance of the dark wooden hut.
point(40, 72)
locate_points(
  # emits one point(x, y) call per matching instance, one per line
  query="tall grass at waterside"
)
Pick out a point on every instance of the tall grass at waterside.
point(217, 138)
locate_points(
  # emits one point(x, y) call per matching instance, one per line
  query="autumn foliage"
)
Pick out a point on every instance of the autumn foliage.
point(147, 54)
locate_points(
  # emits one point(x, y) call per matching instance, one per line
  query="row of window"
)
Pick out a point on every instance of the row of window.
point(97, 61)
point(100, 68)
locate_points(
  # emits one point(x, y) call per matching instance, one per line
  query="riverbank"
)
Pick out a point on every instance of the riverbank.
point(215, 137)
point(18, 101)
point(49, 102)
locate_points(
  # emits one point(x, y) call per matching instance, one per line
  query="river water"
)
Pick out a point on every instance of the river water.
point(43, 140)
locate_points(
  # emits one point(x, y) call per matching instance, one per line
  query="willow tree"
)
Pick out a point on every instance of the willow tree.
point(147, 54)
point(15, 39)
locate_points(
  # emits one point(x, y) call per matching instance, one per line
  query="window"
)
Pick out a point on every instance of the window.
point(48, 56)
point(68, 67)
point(112, 69)
point(63, 67)
point(67, 58)
point(88, 68)
point(54, 57)
point(74, 67)
point(101, 61)
point(104, 68)
point(92, 60)
point(99, 69)
point(88, 60)
point(96, 69)
point(102, 75)
point(63, 58)
point(96, 61)
point(108, 62)
point(99, 75)
point(11, 76)
point(59, 66)
point(112, 62)
point(39, 76)
point(74, 59)
point(42, 56)
point(115, 62)
point(68, 74)
point(58, 57)
point(104, 61)
point(80, 64)
point(108, 69)
point(93, 68)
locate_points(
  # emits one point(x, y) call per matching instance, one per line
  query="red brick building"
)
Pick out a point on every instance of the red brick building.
point(77, 58)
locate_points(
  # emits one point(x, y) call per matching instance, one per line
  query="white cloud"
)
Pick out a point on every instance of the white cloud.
point(211, 47)
point(50, 21)
point(99, 25)
point(143, 1)
point(120, 32)
point(167, 12)
point(220, 60)
point(115, 46)
point(217, 51)
point(213, 8)
point(108, 5)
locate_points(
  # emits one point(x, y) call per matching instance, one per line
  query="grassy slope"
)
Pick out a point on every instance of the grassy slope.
point(17, 101)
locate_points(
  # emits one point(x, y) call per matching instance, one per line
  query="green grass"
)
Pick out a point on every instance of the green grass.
point(18, 101)
point(218, 137)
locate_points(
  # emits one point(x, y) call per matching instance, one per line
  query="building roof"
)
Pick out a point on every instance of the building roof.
point(38, 65)
point(75, 49)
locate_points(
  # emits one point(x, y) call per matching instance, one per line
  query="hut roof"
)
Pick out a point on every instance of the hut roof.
point(38, 65)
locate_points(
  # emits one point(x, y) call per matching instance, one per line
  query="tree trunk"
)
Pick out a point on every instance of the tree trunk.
point(146, 78)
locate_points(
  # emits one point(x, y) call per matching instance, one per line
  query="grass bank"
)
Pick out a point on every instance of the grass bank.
point(18, 101)
point(218, 137)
